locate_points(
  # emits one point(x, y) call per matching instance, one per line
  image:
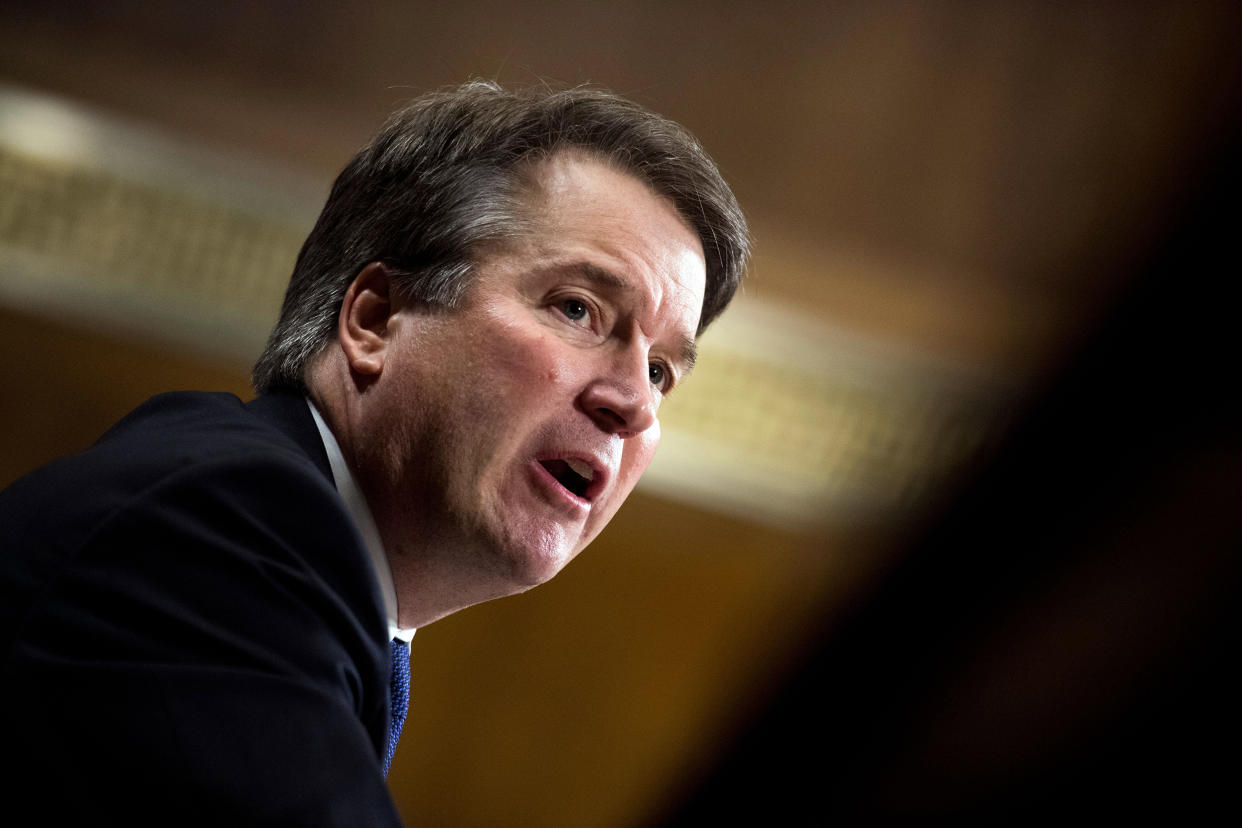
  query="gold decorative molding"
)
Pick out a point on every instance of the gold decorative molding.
point(784, 421)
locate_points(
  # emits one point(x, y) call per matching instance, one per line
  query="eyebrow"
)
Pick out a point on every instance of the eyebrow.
point(689, 355)
point(600, 275)
point(687, 349)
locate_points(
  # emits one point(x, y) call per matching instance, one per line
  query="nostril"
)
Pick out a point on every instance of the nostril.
point(611, 417)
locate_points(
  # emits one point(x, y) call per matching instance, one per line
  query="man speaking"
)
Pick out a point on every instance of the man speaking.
point(206, 616)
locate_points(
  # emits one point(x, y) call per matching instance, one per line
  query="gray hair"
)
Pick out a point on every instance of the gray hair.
point(445, 175)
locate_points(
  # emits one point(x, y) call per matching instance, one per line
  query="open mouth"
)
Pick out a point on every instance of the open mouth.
point(574, 475)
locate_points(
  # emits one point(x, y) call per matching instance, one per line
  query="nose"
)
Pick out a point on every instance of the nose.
point(621, 399)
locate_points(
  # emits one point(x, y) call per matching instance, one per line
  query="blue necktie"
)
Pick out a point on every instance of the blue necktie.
point(399, 696)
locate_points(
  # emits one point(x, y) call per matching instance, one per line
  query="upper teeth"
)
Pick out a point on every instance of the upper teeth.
point(580, 468)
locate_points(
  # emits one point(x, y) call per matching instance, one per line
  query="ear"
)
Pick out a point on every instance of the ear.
point(363, 326)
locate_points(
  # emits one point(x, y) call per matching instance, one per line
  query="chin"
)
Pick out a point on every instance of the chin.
point(540, 570)
point(535, 564)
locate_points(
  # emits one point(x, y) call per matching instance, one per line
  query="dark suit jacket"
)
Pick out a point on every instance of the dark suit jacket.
point(190, 629)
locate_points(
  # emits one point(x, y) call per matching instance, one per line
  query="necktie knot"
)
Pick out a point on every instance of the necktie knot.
point(398, 696)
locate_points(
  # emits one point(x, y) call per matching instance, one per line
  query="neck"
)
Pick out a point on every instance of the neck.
point(432, 577)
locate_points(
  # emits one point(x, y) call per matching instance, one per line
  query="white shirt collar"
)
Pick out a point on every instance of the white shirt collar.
point(357, 507)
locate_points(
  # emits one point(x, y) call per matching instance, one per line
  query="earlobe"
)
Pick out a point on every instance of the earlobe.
point(363, 325)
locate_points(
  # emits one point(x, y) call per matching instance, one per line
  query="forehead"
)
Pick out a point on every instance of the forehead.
point(587, 184)
point(609, 224)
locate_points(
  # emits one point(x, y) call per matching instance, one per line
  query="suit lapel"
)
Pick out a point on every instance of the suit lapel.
point(290, 412)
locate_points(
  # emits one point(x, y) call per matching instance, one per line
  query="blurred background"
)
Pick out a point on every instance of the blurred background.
point(955, 206)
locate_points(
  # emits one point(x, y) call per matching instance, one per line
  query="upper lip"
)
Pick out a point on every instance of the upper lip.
point(600, 472)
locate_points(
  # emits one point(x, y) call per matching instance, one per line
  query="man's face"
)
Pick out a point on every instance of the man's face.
point(506, 432)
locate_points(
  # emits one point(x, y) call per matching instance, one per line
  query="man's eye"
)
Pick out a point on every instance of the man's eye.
point(575, 309)
point(657, 375)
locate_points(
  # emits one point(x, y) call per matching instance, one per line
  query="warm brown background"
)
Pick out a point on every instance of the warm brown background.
point(939, 175)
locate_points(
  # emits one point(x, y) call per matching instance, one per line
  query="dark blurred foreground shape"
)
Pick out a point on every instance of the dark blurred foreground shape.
point(1059, 639)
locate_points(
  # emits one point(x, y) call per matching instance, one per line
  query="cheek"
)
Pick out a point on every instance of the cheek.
point(531, 362)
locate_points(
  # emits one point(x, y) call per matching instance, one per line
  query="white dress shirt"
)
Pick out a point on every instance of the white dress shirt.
point(358, 509)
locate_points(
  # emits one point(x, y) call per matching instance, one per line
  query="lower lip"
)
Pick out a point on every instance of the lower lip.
point(557, 494)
